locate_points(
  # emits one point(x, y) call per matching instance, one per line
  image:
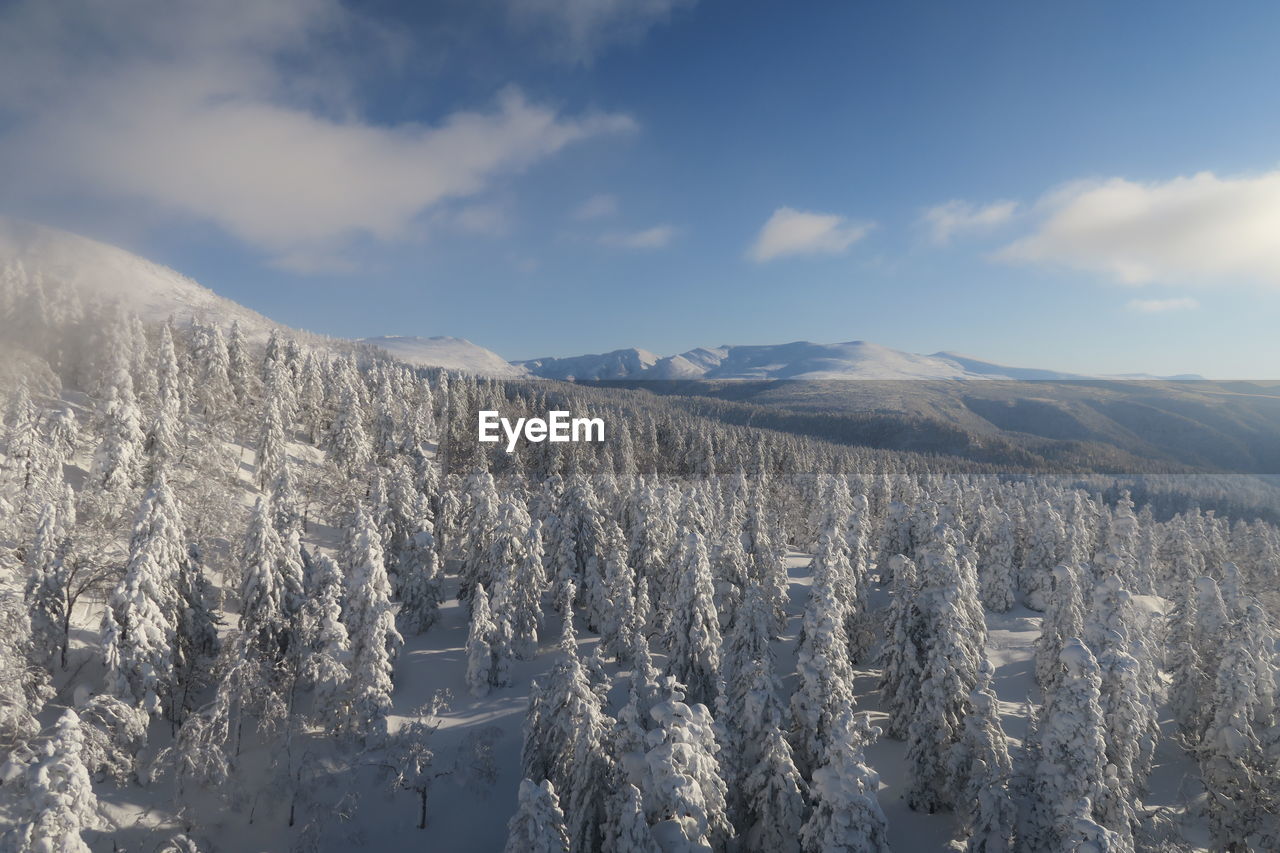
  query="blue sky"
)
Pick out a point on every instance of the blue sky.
point(1087, 186)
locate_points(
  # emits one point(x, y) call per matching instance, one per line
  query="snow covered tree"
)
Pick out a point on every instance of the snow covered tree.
point(618, 617)
point(527, 585)
point(943, 632)
point(1044, 537)
point(479, 522)
point(628, 830)
point(684, 794)
point(565, 734)
point(996, 569)
point(23, 688)
point(197, 641)
point(980, 764)
point(239, 370)
point(1131, 725)
point(47, 581)
point(25, 448)
point(1063, 619)
point(263, 592)
point(322, 642)
point(370, 619)
point(653, 534)
point(846, 814)
point(114, 733)
point(272, 453)
point(140, 623)
point(577, 539)
point(1082, 834)
point(117, 463)
point(900, 665)
point(949, 673)
point(1190, 683)
point(1070, 748)
point(538, 824)
point(1231, 756)
point(482, 672)
point(58, 802)
point(418, 571)
point(349, 445)
point(1211, 623)
point(210, 363)
point(693, 633)
point(771, 791)
point(749, 693)
point(825, 689)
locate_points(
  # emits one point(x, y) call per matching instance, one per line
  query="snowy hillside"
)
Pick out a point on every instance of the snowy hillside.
point(798, 360)
point(155, 292)
point(152, 291)
point(450, 353)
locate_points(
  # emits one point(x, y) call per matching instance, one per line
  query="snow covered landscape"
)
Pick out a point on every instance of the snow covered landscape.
point(266, 591)
point(639, 426)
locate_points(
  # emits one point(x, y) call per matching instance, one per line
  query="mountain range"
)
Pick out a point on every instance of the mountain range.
point(801, 360)
point(954, 404)
point(155, 291)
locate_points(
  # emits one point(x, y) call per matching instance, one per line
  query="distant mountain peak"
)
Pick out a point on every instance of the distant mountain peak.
point(447, 352)
point(856, 359)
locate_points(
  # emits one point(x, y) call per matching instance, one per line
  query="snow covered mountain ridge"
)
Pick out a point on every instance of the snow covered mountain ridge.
point(798, 360)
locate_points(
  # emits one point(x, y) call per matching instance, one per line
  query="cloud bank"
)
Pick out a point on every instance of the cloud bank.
point(1199, 230)
point(241, 113)
point(796, 232)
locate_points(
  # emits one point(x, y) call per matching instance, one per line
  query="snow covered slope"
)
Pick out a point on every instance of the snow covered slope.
point(618, 364)
point(156, 292)
point(798, 360)
point(449, 353)
point(151, 290)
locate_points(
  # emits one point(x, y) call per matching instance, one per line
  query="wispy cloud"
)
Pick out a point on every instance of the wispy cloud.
point(1200, 230)
point(657, 237)
point(489, 217)
point(187, 108)
point(597, 207)
point(796, 232)
point(577, 31)
point(946, 220)
point(1161, 306)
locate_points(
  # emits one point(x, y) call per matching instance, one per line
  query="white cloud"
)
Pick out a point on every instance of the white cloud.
point(945, 220)
point(597, 207)
point(1198, 230)
point(657, 237)
point(188, 108)
point(577, 31)
point(1160, 306)
point(796, 232)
